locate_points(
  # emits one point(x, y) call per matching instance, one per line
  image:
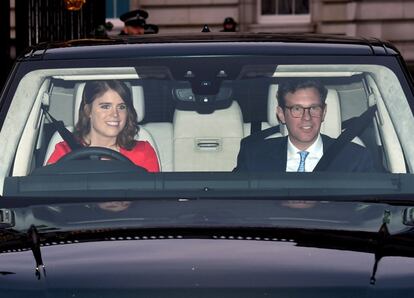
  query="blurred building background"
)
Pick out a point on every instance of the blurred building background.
point(391, 20)
point(26, 22)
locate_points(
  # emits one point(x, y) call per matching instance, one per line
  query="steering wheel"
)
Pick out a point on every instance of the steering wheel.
point(94, 153)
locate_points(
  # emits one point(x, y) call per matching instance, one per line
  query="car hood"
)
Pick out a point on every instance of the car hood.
point(240, 250)
point(222, 264)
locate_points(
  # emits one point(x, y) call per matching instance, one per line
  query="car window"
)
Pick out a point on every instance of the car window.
point(209, 115)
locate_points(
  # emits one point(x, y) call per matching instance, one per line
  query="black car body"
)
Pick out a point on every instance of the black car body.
point(105, 228)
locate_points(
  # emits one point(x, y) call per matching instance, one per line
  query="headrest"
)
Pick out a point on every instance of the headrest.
point(332, 124)
point(221, 123)
point(137, 93)
point(272, 104)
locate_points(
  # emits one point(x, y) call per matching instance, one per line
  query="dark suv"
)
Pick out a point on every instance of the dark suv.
point(198, 200)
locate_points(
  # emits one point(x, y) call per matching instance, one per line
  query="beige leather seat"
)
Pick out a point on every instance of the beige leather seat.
point(207, 142)
point(139, 105)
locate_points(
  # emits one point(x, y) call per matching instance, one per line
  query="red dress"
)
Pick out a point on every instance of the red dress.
point(142, 155)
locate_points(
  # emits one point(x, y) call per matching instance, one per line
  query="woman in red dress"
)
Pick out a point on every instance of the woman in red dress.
point(107, 118)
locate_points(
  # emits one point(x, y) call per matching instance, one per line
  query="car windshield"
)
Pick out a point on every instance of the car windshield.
point(222, 129)
point(212, 165)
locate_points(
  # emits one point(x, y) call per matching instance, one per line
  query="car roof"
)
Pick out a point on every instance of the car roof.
point(210, 44)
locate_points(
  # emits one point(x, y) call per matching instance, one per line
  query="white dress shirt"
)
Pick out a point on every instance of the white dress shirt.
point(293, 157)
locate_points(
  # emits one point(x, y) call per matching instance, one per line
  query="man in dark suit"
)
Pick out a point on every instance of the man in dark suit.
point(302, 109)
point(229, 25)
point(135, 23)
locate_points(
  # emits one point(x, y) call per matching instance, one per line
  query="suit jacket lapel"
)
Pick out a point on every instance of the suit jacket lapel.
point(327, 141)
point(275, 154)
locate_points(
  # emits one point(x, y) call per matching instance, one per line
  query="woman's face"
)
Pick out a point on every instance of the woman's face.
point(108, 117)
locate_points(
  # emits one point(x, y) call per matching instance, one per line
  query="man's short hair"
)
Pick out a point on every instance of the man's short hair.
point(293, 85)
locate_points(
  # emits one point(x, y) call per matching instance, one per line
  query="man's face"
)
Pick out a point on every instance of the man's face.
point(303, 130)
point(134, 30)
point(229, 26)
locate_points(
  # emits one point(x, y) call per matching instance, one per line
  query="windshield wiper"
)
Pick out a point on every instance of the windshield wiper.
point(383, 237)
point(34, 240)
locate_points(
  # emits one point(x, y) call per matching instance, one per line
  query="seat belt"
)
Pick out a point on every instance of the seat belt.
point(354, 128)
point(263, 134)
point(255, 126)
point(66, 135)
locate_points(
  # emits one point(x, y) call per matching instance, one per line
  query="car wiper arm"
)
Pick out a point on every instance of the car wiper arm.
point(34, 240)
point(383, 236)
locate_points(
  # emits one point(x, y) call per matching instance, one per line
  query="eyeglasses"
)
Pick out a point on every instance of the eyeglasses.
point(297, 111)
